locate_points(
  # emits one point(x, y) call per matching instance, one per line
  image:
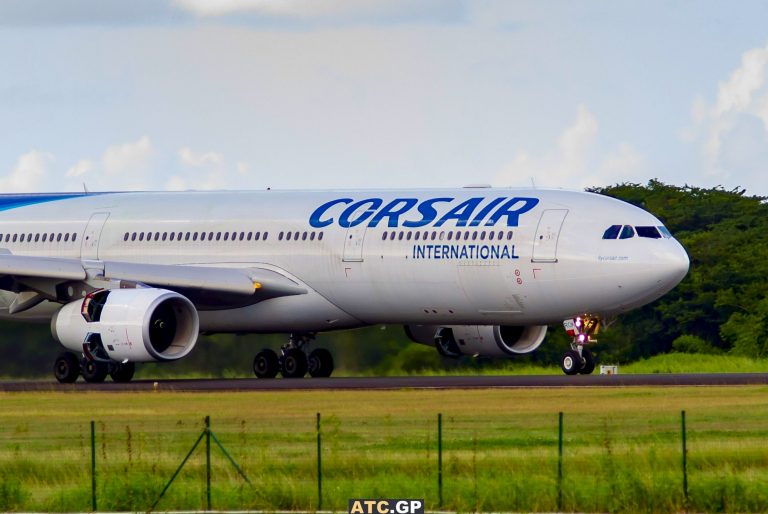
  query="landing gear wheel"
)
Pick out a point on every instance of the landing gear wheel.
point(320, 363)
point(589, 362)
point(66, 368)
point(266, 364)
point(571, 362)
point(294, 364)
point(123, 372)
point(94, 371)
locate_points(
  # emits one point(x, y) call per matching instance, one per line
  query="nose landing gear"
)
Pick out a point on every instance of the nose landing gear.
point(293, 361)
point(579, 359)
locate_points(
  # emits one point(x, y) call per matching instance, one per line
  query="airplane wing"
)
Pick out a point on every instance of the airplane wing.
point(42, 278)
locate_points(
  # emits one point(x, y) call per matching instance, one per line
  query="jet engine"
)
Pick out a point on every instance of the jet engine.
point(137, 325)
point(479, 340)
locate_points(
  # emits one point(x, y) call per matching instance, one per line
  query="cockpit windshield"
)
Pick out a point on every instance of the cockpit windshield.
point(628, 232)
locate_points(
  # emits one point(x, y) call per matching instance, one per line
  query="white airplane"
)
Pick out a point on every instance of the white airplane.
point(136, 277)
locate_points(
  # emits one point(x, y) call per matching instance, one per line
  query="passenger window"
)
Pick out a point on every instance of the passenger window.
point(400, 236)
point(482, 235)
point(627, 232)
point(466, 236)
point(649, 232)
point(256, 236)
point(288, 236)
point(266, 235)
point(509, 235)
point(383, 236)
point(45, 237)
point(434, 235)
point(242, 236)
point(172, 234)
point(37, 238)
point(304, 236)
point(442, 235)
point(450, 235)
point(408, 236)
point(416, 236)
point(66, 237)
point(392, 236)
point(74, 237)
point(157, 236)
point(612, 232)
point(165, 236)
point(319, 236)
point(141, 236)
point(474, 236)
point(312, 236)
point(187, 236)
point(8, 236)
point(490, 235)
point(14, 238)
point(125, 237)
point(250, 236)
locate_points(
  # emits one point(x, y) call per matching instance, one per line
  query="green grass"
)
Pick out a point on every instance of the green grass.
point(621, 453)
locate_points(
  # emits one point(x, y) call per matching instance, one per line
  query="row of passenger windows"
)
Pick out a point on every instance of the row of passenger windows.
point(627, 232)
point(449, 236)
point(194, 236)
point(220, 236)
point(303, 235)
point(37, 238)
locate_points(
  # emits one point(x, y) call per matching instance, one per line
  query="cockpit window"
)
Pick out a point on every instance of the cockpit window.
point(627, 232)
point(650, 232)
point(612, 232)
point(664, 232)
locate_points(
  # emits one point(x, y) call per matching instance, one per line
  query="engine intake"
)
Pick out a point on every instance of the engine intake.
point(139, 325)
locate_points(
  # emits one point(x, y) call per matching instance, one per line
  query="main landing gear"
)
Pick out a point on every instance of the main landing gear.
point(67, 367)
point(579, 359)
point(293, 362)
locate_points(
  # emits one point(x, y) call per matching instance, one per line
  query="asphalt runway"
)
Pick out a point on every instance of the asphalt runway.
point(390, 383)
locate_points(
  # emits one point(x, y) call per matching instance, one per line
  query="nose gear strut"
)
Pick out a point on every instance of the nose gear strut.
point(579, 359)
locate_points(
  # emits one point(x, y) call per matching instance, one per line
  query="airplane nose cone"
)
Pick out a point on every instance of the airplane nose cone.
point(673, 266)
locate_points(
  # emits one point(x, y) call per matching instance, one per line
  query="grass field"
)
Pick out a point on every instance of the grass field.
point(622, 450)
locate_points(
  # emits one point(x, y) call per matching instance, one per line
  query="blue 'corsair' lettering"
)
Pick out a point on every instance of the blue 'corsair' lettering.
point(417, 213)
point(464, 252)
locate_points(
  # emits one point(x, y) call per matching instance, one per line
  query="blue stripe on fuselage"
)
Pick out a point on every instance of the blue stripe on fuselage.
point(12, 201)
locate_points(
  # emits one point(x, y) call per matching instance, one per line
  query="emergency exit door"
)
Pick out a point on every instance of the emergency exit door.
point(89, 248)
point(547, 235)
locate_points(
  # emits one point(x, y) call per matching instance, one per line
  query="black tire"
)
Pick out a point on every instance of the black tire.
point(122, 373)
point(265, 364)
point(66, 368)
point(571, 362)
point(294, 364)
point(589, 362)
point(320, 363)
point(94, 372)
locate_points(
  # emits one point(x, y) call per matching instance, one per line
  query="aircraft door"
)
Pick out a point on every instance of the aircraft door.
point(547, 234)
point(354, 238)
point(353, 244)
point(89, 248)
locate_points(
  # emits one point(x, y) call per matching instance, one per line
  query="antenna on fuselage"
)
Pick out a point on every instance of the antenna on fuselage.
point(533, 183)
point(85, 189)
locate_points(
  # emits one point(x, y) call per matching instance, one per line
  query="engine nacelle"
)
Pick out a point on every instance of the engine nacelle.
point(138, 325)
point(479, 340)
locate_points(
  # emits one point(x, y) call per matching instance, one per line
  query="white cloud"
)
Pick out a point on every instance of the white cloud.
point(206, 170)
point(82, 167)
point(305, 9)
point(576, 163)
point(127, 157)
point(732, 131)
point(29, 174)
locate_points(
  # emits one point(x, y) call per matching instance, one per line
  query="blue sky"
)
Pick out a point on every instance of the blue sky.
point(249, 94)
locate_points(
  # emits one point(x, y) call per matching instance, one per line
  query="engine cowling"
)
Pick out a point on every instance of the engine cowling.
point(138, 325)
point(479, 340)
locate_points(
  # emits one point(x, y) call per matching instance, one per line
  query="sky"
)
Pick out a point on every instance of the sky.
point(331, 94)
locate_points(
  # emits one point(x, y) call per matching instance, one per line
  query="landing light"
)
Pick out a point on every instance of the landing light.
point(257, 285)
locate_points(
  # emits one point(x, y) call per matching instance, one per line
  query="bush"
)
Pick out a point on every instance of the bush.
point(693, 344)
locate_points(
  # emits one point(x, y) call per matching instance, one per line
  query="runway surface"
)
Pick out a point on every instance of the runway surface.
point(390, 383)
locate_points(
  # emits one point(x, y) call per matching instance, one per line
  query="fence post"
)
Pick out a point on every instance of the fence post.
point(208, 460)
point(319, 467)
point(685, 459)
point(440, 460)
point(93, 465)
point(560, 463)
